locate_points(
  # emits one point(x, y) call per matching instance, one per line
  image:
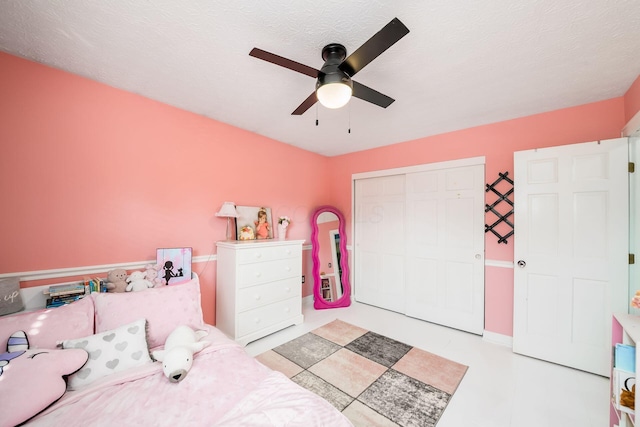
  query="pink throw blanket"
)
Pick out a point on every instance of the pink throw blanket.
point(225, 387)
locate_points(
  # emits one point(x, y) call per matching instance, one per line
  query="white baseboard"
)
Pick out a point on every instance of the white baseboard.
point(308, 300)
point(495, 338)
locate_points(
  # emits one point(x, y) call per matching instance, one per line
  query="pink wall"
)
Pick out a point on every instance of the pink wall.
point(93, 175)
point(497, 142)
point(632, 100)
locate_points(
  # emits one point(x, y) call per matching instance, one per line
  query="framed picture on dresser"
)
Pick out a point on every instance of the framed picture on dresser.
point(254, 223)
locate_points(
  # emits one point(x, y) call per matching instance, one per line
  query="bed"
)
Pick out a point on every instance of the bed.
point(89, 363)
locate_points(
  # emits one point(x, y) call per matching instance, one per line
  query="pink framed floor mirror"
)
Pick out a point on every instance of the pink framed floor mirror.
point(331, 287)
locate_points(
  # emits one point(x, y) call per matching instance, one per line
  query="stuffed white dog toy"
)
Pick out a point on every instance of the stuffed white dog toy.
point(137, 282)
point(179, 348)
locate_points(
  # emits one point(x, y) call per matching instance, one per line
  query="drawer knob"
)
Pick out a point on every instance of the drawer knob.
point(258, 255)
point(257, 320)
point(258, 274)
point(286, 310)
point(287, 289)
point(257, 297)
point(288, 268)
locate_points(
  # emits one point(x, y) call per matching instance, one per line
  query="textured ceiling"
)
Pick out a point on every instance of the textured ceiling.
point(464, 63)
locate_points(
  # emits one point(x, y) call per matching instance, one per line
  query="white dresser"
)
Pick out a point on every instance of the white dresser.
point(258, 287)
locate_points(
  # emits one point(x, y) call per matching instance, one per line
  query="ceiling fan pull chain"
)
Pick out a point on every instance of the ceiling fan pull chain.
point(349, 131)
point(316, 114)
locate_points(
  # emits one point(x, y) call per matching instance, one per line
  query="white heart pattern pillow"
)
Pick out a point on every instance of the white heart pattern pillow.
point(109, 352)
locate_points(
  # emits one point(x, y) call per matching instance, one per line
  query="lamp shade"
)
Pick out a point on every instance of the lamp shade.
point(334, 95)
point(228, 210)
point(333, 87)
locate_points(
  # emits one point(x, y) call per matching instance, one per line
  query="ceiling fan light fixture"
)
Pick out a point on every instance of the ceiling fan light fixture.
point(334, 87)
point(334, 95)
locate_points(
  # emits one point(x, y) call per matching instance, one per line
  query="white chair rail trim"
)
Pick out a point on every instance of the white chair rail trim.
point(92, 269)
point(498, 263)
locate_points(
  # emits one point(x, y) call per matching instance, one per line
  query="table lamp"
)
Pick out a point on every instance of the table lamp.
point(228, 210)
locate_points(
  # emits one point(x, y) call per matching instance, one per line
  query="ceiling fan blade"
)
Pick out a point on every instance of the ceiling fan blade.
point(306, 104)
point(370, 95)
point(372, 48)
point(284, 62)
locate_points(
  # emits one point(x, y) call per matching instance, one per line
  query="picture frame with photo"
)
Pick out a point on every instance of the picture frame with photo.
point(254, 223)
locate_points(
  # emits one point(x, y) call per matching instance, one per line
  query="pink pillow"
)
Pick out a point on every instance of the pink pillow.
point(48, 326)
point(165, 308)
point(32, 379)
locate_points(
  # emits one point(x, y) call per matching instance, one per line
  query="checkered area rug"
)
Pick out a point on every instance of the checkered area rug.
point(372, 379)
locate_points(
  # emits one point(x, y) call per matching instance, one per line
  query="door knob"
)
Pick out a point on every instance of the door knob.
point(521, 264)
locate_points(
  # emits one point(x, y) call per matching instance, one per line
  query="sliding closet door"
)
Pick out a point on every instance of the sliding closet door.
point(379, 253)
point(419, 242)
point(445, 247)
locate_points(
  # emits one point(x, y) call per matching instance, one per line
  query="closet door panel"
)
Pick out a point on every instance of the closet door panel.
point(419, 243)
point(379, 249)
point(367, 271)
point(459, 292)
point(422, 277)
point(446, 261)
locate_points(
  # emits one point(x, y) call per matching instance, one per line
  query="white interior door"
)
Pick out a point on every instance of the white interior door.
point(379, 246)
point(445, 247)
point(571, 251)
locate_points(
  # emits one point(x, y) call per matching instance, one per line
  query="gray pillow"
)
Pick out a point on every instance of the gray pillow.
point(10, 298)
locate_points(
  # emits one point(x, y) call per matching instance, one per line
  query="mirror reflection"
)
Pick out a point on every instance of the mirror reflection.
point(329, 256)
point(331, 287)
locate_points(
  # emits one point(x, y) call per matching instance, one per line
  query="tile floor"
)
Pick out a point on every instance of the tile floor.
point(500, 388)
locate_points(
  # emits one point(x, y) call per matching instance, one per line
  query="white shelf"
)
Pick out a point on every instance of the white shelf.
point(630, 335)
point(630, 326)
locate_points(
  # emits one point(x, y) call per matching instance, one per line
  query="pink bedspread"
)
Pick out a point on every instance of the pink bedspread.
point(225, 387)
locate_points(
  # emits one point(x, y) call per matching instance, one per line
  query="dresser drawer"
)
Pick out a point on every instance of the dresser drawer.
point(263, 272)
point(260, 295)
point(268, 253)
point(263, 317)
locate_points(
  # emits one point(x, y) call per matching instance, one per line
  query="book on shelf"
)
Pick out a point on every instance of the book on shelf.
point(66, 289)
point(58, 301)
point(624, 386)
point(94, 284)
point(69, 292)
point(625, 357)
point(624, 377)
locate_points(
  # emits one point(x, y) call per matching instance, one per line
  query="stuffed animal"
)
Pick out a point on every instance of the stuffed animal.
point(177, 356)
point(247, 233)
point(153, 275)
point(628, 397)
point(117, 280)
point(635, 301)
point(31, 379)
point(137, 282)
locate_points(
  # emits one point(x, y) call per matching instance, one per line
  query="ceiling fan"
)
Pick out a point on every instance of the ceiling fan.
point(334, 86)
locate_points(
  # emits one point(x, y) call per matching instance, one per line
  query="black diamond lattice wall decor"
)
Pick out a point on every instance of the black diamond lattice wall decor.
point(502, 228)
